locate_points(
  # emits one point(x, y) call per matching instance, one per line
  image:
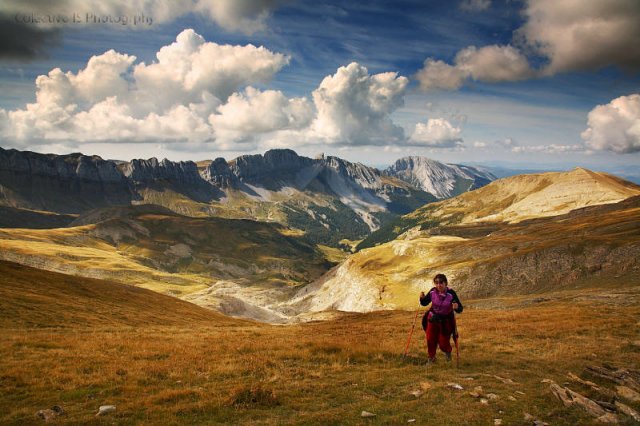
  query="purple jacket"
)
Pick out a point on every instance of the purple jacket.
point(441, 304)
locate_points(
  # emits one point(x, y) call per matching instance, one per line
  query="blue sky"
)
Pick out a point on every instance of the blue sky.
point(536, 83)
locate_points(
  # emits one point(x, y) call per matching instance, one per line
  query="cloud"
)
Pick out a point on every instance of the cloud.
point(548, 149)
point(507, 143)
point(488, 64)
point(615, 126)
point(436, 133)
point(253, 113)
point(440, 75)
point(111, 99)
point(571, 35)
point(191, 68)
point(577, 35)
point(199, 92)
point(475, 5)
point(353, 107)
point(247, 16)
point(20, 41)
point(512, 145)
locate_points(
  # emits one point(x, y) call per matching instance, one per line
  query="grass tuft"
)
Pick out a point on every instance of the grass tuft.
point(253, 396)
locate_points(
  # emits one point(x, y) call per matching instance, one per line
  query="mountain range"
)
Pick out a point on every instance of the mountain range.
point(329, 198)
point(280, 237)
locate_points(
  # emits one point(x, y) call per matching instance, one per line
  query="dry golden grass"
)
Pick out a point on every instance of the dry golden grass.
point(193, 367)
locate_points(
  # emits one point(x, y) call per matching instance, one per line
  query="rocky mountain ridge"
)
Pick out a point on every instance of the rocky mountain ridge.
point(350, 199)
point(441, 180)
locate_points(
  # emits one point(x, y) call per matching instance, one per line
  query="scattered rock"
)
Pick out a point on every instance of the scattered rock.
point(569, 398)
point(367, 414)
point(484, 401)
point(608, 418)
point(106, 409)
point(474, 394)
point(528, 417)
point(628, 393)
point(417, 393)
point(547, 381)
point(50, 413)
point(497, 422)
point(511, 398)
point(411, 420)
point(520, 393)
point(454, 386)
point(628, 411)
point(584, 382)
point(504, 380)
point(492, 396)
point(540, 423)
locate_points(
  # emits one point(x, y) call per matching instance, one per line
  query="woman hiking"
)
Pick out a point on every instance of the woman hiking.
point(439, 322)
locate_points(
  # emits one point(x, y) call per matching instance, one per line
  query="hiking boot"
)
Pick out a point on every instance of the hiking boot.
point(447, 356)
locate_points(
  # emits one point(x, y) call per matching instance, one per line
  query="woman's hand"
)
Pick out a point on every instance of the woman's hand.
point(421, 294)
point(455, 305)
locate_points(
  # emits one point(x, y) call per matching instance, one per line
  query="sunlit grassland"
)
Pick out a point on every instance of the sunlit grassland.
point(464, 252)
point(169, 252)
point(60, 249)
point(196, 367)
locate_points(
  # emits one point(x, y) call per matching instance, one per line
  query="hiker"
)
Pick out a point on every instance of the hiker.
point(439, 322)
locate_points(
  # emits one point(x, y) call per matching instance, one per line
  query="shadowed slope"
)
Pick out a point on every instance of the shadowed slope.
point(34, 298)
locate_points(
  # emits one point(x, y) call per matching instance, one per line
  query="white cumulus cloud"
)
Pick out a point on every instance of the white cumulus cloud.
point(111, 99)
point(615, 126)
point(436, 133)
point(191, 68)
point(353, 107)
point(253, 112)
point(199, 92)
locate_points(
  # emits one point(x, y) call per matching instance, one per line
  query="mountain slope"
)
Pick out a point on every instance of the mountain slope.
point(35, 298)
point(152, 247)
point(586, 247)
point(514, 199)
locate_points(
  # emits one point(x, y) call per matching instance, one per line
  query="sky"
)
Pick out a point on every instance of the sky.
point(536, 84)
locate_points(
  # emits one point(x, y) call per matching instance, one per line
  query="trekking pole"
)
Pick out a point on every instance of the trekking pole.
point(456, 337)
point(411, 333)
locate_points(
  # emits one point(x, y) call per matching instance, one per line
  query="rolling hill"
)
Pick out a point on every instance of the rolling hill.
point(489, 244)
point(514, 199)
point(152, 247)
point(33, 298)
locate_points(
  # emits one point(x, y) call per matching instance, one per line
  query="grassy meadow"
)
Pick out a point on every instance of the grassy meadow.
point(81, 343)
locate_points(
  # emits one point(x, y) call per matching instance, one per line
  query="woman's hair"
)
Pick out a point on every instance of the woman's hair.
point(441, 277)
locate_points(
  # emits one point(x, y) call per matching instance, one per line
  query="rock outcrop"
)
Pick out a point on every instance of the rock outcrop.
point(60, 183)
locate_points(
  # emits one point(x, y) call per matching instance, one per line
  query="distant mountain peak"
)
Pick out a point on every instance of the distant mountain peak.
point(441, 180)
